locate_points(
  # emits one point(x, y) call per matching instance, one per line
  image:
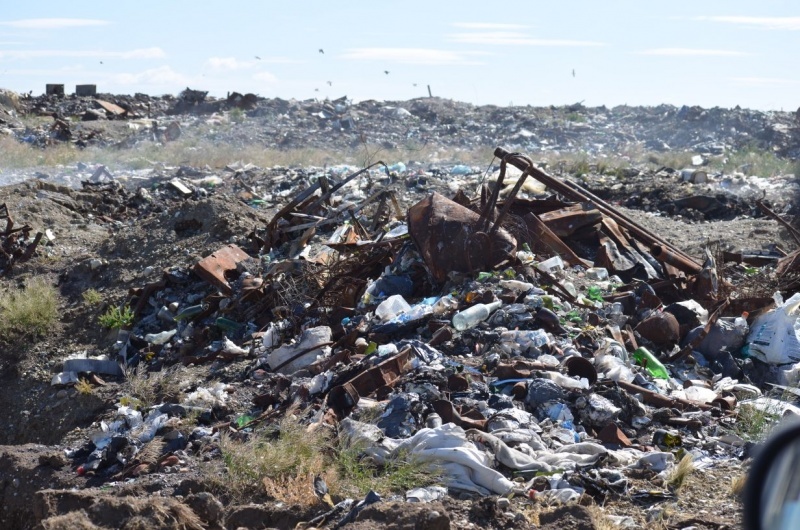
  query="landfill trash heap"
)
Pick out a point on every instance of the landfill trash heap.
point(341, 124)
point(546, 346)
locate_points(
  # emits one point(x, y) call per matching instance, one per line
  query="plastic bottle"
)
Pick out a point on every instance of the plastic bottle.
point(521, 341)
point(667, 439)
point(416, 312)
point(516, 285)
point(391, 307)
point(471, 316)
point(597, 274)
point(566, 382)
point(445, 304)
point(160, 338)
point(651, 364)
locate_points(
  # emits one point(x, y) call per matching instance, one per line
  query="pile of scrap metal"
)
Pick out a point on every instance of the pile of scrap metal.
point(16, 244)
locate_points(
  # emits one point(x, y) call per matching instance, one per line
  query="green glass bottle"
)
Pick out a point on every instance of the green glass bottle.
point(650, 363)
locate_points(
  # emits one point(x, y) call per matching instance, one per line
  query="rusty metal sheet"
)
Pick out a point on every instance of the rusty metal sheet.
point(567, 221)
point(214, 267)
point(540, 232)
point(620, 236)
point(609, 256)
point(448, 237)
point(577, 193)
point(116, 110)
point(344, 397)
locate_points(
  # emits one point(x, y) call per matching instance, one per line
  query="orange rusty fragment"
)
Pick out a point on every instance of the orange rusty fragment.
point(449, 238)
point(214, 267)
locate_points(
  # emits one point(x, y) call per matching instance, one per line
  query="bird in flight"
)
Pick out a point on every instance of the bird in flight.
point(573, 72)
point(322, 51)
point(257, 57)
point(101, 62)
point(414, 84)
point(386, 72)
point(330, 83)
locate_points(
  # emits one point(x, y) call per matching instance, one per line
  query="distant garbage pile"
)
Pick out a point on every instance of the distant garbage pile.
point(341, 123)
point(549, 346)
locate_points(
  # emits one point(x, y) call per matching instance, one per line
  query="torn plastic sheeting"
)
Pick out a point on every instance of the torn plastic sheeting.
point(207, 397)
point(97, 366)
point(463, 465)
point(655, 461)
point(313, 343)
point(508, 456)
point(776, 407)
point(466, 467)
point(64, 378)
point(449, 238)
point(429, 494)
point(775, 336)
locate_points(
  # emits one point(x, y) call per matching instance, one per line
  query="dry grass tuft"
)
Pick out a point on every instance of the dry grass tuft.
point(283, 460)
point(29, 312)
point(600, 519)
point(143, 389)
point(677, 477)
point(737, 484)
point(84, 387)
point(77, 520)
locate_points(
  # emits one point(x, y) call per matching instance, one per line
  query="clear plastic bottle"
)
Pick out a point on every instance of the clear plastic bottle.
point(471, 316)
point(445, 304)
point(516, 285)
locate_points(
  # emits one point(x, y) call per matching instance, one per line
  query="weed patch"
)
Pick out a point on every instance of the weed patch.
point(117, 317)
point(29, 312)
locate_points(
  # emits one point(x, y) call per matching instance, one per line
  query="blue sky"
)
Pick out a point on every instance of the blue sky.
point(709, 53)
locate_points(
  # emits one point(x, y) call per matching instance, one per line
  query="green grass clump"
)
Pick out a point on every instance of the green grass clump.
point(282, 461)
point(92, 297)
point(29, 312)
point(117, 317)
point(760, 162)
point(754, 424)
point(236, 115)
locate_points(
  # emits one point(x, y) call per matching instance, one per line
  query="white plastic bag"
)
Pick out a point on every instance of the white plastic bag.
point(775, 336)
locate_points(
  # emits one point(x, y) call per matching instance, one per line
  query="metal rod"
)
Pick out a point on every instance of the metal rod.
point(575, 192)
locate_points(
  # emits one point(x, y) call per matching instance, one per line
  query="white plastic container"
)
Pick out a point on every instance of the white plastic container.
point(516, 286)
point(471, 316)
point(552, 265)
point(391, 307)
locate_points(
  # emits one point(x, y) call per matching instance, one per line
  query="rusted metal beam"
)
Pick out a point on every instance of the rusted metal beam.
point(577, 193)
point(543, 233)
point(795, 233)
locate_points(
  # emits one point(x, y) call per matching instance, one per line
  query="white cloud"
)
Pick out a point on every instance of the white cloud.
point(54, 23)
point(227, 64)
point(486, 25)
point(425, 56)
point(265, 77)
point(161, 76)
point(511, 38)
point(692, 52)
point(773, 23)
point(143, 53)
point(764, 81)
point(231, 64)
